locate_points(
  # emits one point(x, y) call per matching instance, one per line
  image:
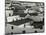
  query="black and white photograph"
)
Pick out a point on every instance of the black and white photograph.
point(23, 17)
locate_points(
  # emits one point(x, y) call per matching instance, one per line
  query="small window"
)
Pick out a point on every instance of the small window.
point(35, 31)
point(11, 27)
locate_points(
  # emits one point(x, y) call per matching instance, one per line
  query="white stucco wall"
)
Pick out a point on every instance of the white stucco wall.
point(9, 12)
